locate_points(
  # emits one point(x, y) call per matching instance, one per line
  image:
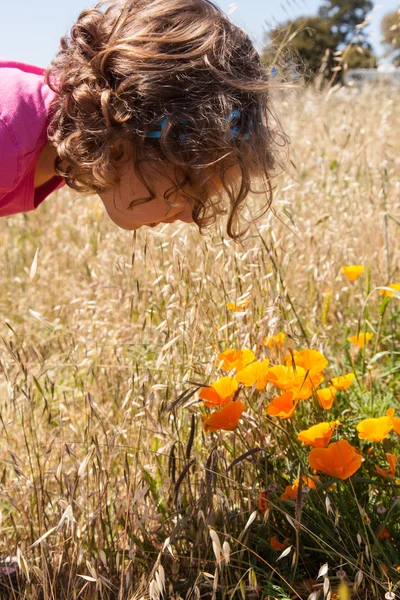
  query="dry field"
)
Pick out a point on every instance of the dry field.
point(109, 483)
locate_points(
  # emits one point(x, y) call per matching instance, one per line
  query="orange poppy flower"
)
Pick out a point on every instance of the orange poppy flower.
point(291, 491)
point(240, 306)
point(392, 460)
point(352, 272)
point(235, 359)
point(295, 380)
point(226, 418)
point(310, 360)
point(285, 378)
point(256, 372)
point(374, 430)
point(340, 459)
point(326, 397)
point(395, 287)
point(395, 420)
point(275, 341)
point(313, 363)
point(263, 503)
point(343, 382)
point(361, 339)
point(382, 533)
point(220, 392)
point(319, 435)
point(277, 545)
point(283, 406)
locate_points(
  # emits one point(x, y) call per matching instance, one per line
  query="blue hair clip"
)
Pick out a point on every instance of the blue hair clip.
point(233, 132)
point(157, 133)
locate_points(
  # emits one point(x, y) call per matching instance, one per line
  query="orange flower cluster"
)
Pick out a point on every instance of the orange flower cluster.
point(223, 392)
point(298, 379)
point(340, 459)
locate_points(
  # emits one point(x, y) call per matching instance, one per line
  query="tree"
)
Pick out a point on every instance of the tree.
point(390, 28)
point(300, 46)
point(345, 17)
point(359, 57)
point(322, 44)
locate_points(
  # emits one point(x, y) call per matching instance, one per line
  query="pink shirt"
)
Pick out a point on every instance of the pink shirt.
point(24, 117)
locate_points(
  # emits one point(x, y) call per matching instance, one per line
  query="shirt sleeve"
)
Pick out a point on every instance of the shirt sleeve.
point(9, 159)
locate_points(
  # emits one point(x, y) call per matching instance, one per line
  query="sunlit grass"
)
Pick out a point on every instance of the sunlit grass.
point(104, 458)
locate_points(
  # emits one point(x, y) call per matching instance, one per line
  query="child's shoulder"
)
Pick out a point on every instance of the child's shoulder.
point(20, 67)
point(25, 102)
point(24, 92)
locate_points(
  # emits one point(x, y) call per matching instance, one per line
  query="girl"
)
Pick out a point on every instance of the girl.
point(158, 106)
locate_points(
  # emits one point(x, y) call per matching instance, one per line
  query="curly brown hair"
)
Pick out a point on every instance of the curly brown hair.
point(128, 64)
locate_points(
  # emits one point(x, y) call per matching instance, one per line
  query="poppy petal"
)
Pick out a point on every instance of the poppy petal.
point(220, 392)
point(318, 435)
point(343, 382)
point(361, 339)
point(283, 406)
point(310, 360)
point(275, 341)
point(352, 272)
point(235, 359)
point(256, 372)
point(326, 397)
point(374, 430)
point(339, 459)
point(226, 418)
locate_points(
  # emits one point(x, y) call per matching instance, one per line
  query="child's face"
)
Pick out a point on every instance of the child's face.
point(118, 199)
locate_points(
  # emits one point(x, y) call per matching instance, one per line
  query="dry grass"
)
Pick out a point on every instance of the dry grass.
point(96, 345)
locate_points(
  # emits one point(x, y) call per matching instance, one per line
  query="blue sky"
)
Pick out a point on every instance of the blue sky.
point(30, 30)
